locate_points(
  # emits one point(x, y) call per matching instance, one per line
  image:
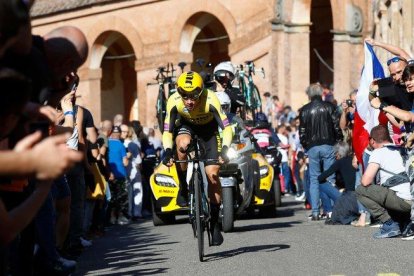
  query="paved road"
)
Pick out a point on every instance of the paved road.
point(288, 244)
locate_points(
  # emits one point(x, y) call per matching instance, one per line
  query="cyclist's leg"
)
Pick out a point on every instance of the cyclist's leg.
point(212, 147)
point(182, 141)
point(214, 186)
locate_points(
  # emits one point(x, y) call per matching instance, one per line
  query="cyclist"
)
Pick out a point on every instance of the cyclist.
point(224, 74)
point(196, 110)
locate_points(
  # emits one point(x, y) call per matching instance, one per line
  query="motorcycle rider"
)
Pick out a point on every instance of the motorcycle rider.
point(195, 110)
point(263, 124)
point(224, 74)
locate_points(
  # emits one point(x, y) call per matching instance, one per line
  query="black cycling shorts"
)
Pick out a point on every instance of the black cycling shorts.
point(208, 136)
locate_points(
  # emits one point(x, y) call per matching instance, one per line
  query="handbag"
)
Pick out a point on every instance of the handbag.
point(99, 191)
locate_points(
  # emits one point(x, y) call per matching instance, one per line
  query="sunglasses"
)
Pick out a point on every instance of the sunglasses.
point(395, 59)
point(187, 95)
point(190, 97)
point(222, 79)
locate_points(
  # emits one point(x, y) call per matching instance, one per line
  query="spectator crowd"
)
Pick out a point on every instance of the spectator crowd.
point(62, 180)
point(344, 187)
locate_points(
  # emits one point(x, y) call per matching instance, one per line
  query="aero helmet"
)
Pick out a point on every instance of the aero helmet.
point(190, 84)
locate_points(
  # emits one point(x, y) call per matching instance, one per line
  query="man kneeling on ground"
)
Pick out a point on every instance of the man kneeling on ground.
point(392, 196)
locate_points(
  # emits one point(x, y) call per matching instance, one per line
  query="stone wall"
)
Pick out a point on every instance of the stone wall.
point(275, 34)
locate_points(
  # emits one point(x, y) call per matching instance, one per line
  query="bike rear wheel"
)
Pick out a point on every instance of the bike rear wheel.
point(199, 216)
point(161, 109)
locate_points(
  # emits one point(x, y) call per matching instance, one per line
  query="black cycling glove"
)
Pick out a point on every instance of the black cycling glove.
point(167, 156)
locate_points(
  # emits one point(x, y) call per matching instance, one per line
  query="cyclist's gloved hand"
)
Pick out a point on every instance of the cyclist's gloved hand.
point(223, 154)
point(168, 157)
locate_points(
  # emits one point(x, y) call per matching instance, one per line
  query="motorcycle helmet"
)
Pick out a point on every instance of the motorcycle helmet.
point(261, 120)
point(224, 72)
point(190, 85)
point(261, 117)
point(225, 101)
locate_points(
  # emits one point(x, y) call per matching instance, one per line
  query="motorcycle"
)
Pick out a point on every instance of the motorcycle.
point(238, 178)
point(267, 195)
point(274, 158)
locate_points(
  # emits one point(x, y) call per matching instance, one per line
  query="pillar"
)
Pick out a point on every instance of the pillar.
point(89, 91)
point(296, 55)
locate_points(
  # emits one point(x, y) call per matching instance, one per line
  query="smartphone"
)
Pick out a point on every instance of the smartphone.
point(42, 126)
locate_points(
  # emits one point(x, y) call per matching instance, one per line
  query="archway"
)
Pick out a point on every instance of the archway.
point(119, 81)
point(321, 42)
point(207, 38)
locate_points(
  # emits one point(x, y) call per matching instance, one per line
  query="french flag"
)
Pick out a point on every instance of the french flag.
point(366, 117)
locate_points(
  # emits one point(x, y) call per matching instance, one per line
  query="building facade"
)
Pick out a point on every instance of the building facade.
point(295, 41)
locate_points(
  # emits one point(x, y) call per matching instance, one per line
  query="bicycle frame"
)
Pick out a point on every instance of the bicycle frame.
point(249, 89)
point(163, 79)
point(199, 209)
point(161, 104)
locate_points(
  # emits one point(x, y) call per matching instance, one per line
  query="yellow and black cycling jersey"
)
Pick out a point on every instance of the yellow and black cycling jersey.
point(207, 109)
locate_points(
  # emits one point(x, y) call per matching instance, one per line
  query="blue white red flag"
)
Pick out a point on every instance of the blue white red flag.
point(366, 117)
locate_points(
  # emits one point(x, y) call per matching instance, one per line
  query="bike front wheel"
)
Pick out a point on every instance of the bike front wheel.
point(199, 216)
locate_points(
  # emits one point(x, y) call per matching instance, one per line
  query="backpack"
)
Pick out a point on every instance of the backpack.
point(409, 167)
point(408, 161)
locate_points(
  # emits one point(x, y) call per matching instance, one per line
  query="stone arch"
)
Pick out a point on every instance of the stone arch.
point(300, 12)
point(105, 32)
point(182, 41)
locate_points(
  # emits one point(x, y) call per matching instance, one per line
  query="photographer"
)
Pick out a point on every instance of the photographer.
point(346, 121)
point(395, 92)
point(379, 103)
point(406, 116)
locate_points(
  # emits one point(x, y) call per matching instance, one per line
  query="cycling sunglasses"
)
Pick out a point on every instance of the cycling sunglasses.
point(394, 59)
point(190, 96)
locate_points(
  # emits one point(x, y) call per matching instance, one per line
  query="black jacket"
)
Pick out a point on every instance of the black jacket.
point(319, 124)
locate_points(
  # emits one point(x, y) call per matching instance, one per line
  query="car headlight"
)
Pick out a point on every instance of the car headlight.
point(165, 181)
point(232, 153)
point(264, 171)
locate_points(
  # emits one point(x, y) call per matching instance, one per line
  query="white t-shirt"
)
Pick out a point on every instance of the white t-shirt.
point(284, 152)
point(391, 160)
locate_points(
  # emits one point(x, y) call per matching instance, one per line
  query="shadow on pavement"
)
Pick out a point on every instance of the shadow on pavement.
point(256, 227)
point(248, 249)
point(125, 250)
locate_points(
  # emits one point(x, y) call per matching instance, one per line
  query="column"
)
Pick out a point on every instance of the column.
point(277, 61)
point(342, 65)
point(89, 91)
point(296, 55)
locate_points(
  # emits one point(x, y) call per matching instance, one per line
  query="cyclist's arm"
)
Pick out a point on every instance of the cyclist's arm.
point(167, 135)
point(223, 123)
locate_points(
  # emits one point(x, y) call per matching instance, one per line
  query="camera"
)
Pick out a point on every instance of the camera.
point(387, 91)
point(349, 103)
